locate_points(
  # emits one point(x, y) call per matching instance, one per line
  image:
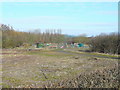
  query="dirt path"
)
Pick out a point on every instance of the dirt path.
point(73, 52)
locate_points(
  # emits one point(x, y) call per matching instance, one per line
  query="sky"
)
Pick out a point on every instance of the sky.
point(73, 18)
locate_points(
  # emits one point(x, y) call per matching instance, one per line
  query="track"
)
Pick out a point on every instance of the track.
point(85, 54)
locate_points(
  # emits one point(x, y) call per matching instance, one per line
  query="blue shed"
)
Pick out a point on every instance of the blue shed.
point(80, 45)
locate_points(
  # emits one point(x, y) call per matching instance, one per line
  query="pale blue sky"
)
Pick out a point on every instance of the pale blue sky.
point(72, 18)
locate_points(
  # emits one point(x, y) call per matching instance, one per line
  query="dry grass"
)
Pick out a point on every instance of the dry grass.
point(48, 68)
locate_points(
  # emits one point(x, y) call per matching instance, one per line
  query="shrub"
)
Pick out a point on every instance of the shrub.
point(106, 43)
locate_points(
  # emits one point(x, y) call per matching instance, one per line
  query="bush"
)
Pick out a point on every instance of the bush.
point(106, 43)
point(12, 38)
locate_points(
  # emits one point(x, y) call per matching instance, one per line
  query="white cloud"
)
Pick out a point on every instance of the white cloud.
point(35, 20)
point(59, 0)
point(55, 20)
point(108, 12)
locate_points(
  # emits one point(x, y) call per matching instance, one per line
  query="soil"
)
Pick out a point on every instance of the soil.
point(48, 68)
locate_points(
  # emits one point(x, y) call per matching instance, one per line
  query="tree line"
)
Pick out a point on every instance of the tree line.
point(106, 43)
point(103, 43)
point(12, 38)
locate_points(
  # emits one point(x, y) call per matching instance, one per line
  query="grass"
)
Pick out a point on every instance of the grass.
point(56, 66)
point(11, 80)
point(48, 53)
point(93, 53)
point(5, 85)
point(102, 54)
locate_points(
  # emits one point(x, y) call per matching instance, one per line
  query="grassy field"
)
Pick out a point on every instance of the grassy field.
point(57, 68)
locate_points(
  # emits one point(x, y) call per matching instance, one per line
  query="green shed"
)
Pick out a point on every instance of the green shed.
point(39, 45)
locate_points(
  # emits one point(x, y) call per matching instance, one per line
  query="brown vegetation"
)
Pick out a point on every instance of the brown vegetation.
point(12, 38)
point(106, 43)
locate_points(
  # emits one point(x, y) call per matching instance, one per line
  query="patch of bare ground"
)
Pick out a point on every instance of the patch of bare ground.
point(55, 69)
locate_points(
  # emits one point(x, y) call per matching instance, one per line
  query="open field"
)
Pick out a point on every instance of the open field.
point(57, 68)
